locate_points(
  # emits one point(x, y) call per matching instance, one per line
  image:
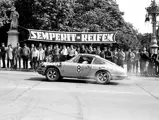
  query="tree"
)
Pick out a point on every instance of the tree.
point(40, 14)
point(77, 16)
point(5, 6)
point(145, 39)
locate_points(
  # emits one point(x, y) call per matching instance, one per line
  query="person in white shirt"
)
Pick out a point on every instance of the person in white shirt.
point(71, 52)
point(10, 56)
point(64, 53)
point(35, 57)
point(41, 55)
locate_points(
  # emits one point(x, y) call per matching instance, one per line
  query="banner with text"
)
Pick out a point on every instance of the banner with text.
point(70, 37)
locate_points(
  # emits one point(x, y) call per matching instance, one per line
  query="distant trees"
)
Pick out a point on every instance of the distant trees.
point(77, 16)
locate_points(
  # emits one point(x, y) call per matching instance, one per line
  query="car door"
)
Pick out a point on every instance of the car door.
point(85, 67)
point(71, 68)
point(85, 70)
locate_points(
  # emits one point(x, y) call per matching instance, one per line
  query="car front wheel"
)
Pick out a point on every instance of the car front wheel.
point(52, 74)
point(103, 77)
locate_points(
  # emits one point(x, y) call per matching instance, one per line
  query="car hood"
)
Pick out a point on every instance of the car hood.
point(50, 63)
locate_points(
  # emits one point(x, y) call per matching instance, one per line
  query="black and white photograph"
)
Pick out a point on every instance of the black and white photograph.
point(79, 59)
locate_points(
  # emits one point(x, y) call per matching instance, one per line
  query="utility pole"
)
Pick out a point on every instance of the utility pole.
point(153, 11)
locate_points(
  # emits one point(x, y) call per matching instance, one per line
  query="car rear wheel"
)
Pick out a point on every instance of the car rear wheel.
point(52, 74)
point(103, 77)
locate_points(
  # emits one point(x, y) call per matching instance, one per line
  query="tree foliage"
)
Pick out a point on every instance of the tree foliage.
point(145, 39)
point(5, 6)
point(77, 16)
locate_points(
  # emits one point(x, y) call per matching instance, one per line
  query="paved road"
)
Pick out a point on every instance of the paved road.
point(28, 96)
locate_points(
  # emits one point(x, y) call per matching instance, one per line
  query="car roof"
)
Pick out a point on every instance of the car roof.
point(97, 56)
point(91, 55)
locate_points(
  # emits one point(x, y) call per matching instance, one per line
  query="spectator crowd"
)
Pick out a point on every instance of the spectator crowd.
point(138, 61)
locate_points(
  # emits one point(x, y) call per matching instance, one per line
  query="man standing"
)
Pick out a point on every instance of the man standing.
point(152, 63)
point(98, 51)
point(115, 58)
point(64, 53)
point(83, 49)
point(90, 50)
point(48, 54)
point(10, 57)
point(56, 54)
point(108, 54)
point(120, 58)
point(71, 52)
point(31, 51)
point(130, 60)
point(41, 55)
point(17, 56)
point(3, 54)
point(35, 57)
point(157, 63)
point(136, 61)
point(25, 54)
point(144, 57)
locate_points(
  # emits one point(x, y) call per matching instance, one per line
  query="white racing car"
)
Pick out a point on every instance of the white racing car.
point(85, 66)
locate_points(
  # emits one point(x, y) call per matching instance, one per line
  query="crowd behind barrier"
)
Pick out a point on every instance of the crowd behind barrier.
point(138, 61)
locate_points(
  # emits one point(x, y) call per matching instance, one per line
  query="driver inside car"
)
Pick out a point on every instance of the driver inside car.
point(85, 60)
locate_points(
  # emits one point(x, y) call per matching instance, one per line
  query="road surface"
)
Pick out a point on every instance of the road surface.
point(28, 96)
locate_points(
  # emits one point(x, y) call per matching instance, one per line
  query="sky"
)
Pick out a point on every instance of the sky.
point(134, 12)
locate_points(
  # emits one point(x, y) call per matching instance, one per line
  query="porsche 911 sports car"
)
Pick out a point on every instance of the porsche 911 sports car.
point(85, 66)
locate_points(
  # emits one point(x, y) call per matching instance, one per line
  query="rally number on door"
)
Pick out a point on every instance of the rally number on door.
point(78, 68)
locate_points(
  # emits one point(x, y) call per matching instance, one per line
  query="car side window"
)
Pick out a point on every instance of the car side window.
point(99, 61)
point(85, 60)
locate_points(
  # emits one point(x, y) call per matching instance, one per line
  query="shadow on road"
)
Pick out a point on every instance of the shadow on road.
point(66, 80)
point(37, 79)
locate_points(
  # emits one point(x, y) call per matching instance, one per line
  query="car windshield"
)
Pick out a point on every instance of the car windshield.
point(74, 59)
point(81, 59)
